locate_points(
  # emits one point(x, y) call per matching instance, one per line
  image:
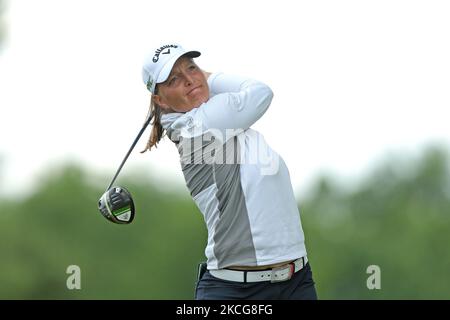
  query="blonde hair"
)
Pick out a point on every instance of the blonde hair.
point(158, 131)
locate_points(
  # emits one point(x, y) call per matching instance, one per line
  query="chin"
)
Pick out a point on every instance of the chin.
point(200, 101)
point(197, 102)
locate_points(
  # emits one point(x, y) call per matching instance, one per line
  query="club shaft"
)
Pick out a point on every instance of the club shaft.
point(129, 151)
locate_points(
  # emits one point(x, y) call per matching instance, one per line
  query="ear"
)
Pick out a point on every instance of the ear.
point(160, 101)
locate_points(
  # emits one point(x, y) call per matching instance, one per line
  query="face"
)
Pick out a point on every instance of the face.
point(186, 88)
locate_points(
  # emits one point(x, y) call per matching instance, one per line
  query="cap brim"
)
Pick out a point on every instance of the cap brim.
point(165, 71)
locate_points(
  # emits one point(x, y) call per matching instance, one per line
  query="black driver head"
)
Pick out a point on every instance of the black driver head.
point(117, 205)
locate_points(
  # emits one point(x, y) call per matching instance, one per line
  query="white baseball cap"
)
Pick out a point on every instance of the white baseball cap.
point(158, 64)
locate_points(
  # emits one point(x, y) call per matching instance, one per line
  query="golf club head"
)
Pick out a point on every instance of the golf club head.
point(117, 205)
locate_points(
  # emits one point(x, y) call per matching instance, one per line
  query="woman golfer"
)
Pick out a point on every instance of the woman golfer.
point(255, 246)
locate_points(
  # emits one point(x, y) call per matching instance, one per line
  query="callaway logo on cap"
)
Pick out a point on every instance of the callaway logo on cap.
point(160, 51)
point(159, 63)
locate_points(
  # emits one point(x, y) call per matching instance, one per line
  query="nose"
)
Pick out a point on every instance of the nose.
point(188, 80)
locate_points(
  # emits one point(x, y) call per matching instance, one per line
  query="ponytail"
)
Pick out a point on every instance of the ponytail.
point(157, 130)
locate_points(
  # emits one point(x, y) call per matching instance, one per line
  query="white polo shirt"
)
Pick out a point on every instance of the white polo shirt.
point(241, 186)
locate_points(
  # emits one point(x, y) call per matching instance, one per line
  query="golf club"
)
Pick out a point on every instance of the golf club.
point(116, 203)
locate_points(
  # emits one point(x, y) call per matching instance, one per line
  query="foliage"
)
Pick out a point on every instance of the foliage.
point(397, 219)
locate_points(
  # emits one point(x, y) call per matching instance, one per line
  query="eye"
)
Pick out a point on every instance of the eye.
point(192, 67)
point(172, 81)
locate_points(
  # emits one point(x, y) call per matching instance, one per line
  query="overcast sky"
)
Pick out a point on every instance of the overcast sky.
point(353, 80)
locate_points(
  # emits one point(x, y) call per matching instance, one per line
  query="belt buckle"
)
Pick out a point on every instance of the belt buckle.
point(282, 273)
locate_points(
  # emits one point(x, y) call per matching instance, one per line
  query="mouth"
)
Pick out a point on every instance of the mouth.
point(193, 90)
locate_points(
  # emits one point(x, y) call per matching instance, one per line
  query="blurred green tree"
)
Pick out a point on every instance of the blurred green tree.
point(398, 219)
point(59, 225)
